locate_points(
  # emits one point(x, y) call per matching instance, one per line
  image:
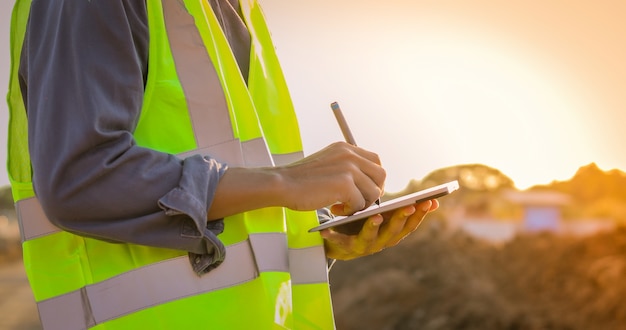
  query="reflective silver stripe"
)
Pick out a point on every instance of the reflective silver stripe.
point(267, 247)
point(204, 94)
point(308, 265)
point(134, 290)
point(33, 221)
point(256, 153)
point(228, 152)
point(203, 91)
point(284, 159)
point(69, 311)
point(253, 153)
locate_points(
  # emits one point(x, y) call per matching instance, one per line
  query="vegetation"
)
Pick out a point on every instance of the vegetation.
point(440, 278)
point(595, 194)
point(436, 280)
point(481, 193)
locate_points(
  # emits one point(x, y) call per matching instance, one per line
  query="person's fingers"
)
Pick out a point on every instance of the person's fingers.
point(376, 233)
point(364, 165)
point(373, 169)
point(371, 156)
point(393, 227)
point(337, 239)
point(354, 198)
point(367, 175)
point(340, 173)
point(350, 246)
point(338, 245)
point(369, 189)
point(359, 192)
point(434, 206)
point(412, 222)
point(368, 236)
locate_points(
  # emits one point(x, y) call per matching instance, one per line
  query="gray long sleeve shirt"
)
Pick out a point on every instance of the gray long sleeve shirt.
point(83, 72)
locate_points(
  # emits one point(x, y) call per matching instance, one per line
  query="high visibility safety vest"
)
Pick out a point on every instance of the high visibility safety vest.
point(274, 275)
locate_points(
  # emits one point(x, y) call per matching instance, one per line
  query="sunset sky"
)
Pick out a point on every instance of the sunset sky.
point(532, 88)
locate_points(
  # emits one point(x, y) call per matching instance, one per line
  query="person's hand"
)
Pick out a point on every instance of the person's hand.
point(376, 233)
point(342, 175)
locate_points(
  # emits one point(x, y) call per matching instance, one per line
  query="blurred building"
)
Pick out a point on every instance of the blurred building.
point(542, 209)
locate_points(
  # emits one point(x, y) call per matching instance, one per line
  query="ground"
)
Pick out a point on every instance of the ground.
point(437, 279)
point(17, 304)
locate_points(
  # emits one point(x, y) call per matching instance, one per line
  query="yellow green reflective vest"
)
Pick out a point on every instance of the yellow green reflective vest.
point(274, 275)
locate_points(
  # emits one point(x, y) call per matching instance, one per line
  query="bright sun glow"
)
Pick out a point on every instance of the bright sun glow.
point(478, 101)
point(426, 90)
point(499, 106)
point(535, 93)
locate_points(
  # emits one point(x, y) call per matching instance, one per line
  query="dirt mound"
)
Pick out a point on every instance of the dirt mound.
point(439, 280)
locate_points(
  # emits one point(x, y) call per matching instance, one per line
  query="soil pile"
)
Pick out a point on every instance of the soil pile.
point(440, 280)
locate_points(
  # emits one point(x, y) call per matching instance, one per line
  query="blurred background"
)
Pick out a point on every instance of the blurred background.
point(521, 101)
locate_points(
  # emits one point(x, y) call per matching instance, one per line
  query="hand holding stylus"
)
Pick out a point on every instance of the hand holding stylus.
point(345, 129)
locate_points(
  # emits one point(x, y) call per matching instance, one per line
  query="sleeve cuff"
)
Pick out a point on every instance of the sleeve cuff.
point(192, 198)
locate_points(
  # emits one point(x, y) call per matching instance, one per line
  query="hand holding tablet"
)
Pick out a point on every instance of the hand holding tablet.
point(379, 208)
point(390, 205)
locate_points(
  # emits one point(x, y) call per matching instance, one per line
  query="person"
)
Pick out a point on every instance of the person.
point(158, 171)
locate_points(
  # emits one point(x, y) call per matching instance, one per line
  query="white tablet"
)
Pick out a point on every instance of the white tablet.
point(392, 204)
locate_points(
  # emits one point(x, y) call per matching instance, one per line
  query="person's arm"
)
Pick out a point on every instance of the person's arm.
point(83, 70)
point(342, 175)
